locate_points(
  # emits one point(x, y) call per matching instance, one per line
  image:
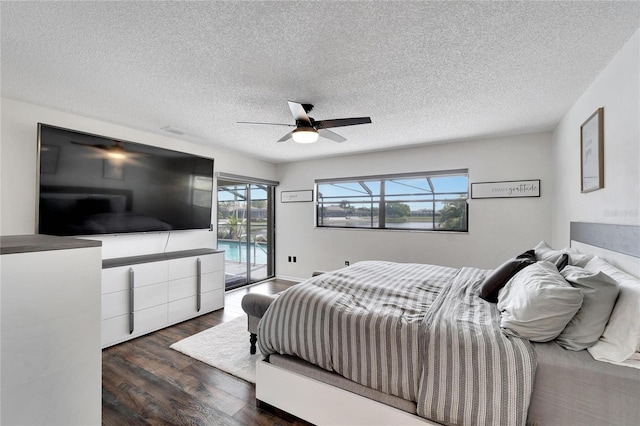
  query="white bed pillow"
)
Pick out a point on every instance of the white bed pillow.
point(537, 303)
point(545, 252)
point(600, 292)
point(621, 338)
point(576, 258)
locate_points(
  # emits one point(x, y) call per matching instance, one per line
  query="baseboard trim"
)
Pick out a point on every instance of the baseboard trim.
point(288, 278)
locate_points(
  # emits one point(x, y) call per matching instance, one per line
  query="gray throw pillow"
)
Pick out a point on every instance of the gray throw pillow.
point(537, 303)
point(545, 252)
point(600, 292)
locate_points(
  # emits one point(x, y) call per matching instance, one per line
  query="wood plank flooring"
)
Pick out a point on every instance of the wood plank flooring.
point(144, 382)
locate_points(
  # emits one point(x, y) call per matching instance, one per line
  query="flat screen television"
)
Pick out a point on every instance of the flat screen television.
point(91, 184)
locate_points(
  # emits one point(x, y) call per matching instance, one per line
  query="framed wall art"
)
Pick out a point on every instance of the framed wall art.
point(592, 152)
point(506, 189)
point(296, 196)
point(113, 169)
point(49, 158)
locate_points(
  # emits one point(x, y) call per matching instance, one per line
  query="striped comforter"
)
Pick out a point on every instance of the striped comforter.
point(416, 331)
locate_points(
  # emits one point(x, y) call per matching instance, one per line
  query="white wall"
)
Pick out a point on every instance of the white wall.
point(617, 89)
point(498, 228)
point(18, 156)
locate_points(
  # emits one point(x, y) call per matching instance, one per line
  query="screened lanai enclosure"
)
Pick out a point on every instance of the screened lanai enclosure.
point(427, 201)
point(246, 229)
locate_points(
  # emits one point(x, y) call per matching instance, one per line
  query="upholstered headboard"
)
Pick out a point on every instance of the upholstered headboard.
point(618, 244)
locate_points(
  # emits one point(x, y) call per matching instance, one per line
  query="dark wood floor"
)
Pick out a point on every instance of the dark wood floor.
point(144, 382)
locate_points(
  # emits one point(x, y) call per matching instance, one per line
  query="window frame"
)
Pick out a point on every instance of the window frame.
point(382, 200)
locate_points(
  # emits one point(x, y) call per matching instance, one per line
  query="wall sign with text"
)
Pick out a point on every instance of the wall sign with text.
point(506, 189)
point(296, 196)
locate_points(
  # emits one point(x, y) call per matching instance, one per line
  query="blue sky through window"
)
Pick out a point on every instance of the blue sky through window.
point(413, 186)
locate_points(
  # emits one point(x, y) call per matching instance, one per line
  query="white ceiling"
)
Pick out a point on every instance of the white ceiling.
point(425, 72)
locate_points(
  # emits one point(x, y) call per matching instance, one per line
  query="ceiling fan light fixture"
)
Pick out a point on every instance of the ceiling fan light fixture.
point(116, 155)
point(116, 152)
point(305, 135)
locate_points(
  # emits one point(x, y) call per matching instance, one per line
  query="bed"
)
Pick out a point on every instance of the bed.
point(427, 349)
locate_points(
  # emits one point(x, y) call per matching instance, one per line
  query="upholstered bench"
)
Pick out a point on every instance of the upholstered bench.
point(255, 305)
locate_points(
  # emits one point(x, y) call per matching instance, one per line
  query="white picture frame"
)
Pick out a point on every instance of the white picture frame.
point(296, 196)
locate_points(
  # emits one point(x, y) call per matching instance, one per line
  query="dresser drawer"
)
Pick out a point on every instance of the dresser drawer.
point(150, 295)
point(180, 310)
point(185, 287)
point(182, 268)
point(212, 262)
point(212, 301)
point(212, 281)
point(116, 329)
point(115, 304)
point(116, 279)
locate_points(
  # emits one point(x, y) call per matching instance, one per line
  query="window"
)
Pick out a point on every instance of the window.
point(201, 187)
point(433, 201)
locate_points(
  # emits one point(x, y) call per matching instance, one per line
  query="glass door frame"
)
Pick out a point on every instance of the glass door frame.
point(249, 185)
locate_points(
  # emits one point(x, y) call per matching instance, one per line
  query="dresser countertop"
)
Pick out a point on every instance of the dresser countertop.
point(14, 244)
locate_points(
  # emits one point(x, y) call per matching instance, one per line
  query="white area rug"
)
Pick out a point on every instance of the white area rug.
point(225, 346)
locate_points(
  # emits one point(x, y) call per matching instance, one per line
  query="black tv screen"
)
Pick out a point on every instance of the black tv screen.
point(92, 185)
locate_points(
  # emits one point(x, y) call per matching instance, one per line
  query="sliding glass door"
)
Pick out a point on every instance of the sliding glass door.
point(246, 229)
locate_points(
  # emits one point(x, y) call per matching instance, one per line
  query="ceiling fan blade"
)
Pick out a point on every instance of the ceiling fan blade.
point(328, 134)
point(340, 122)
point(270, 124)
point(299, 113)
point(117, 147)
point(90, 145)
point(286, 137)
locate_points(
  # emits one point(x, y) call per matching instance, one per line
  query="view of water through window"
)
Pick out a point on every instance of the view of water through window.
point(427, 202)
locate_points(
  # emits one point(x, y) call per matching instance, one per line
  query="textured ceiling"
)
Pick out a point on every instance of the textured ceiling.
point(424, 72)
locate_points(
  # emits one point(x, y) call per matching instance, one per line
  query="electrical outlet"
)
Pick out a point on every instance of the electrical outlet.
point(294, 259)
point(289, 258)
point(346, 263)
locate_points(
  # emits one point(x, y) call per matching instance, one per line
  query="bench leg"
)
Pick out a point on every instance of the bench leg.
point(253, 338)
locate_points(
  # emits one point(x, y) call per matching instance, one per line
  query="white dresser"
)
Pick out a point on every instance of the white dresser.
point(141, 294)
